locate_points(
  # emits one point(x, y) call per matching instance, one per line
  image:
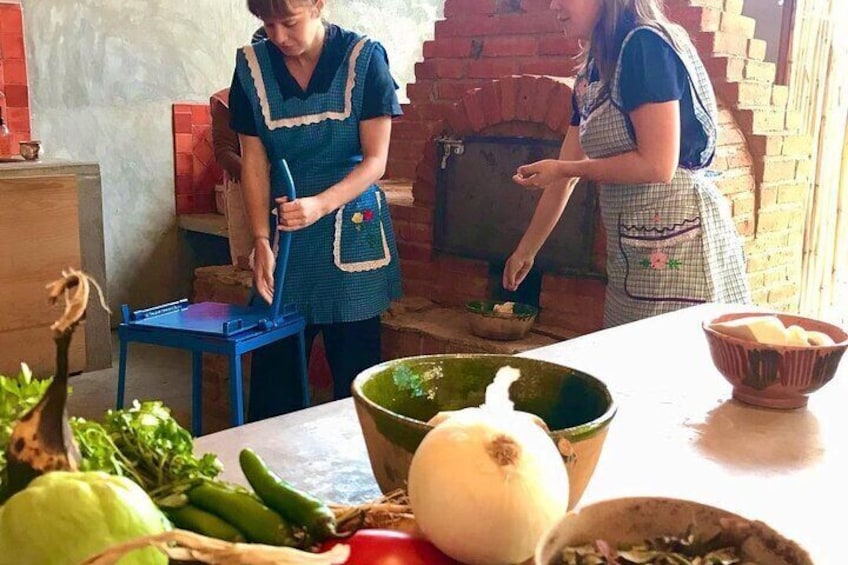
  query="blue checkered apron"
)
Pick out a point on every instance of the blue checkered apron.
point(672, 245)
point(344, 267)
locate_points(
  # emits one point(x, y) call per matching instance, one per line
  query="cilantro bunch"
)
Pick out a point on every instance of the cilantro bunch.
point(143, 442)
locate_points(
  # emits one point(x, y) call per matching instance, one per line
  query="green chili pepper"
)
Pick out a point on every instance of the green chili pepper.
point(190, 517)
point(259, 523)
point(297, 506)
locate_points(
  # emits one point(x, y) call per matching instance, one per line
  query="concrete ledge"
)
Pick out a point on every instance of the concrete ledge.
point(212, 224)
point(417, 326)
point(398, 191)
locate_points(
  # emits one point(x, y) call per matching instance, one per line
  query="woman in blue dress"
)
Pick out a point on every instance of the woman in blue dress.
point(644, 128)
point(322, 98)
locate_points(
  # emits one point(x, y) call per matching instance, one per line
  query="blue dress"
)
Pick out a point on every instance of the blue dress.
point(345, 267)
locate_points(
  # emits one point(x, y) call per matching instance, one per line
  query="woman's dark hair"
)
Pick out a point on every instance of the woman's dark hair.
point(270, 9)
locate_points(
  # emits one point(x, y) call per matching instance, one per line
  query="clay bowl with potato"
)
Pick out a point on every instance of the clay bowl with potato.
point(775, 360)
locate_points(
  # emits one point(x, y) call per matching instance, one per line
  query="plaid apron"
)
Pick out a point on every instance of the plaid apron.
point(672, 245)
point(344, 267)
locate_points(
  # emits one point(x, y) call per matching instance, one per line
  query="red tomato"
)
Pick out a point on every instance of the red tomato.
point(388, 547)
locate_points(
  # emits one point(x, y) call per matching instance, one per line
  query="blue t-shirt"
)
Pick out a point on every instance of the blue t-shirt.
point(380, 97)
point(652, 72)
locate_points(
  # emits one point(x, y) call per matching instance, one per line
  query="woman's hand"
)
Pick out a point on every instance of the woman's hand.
point(540, 174)
point(263, 268)
point(516, 269)
point(299, 214)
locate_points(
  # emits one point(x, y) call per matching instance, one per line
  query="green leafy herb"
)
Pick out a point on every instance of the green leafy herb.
point(161, 451)
point(144, 442)
point(666, 550)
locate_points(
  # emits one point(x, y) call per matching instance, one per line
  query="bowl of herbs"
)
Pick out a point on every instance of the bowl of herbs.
point(627, 531)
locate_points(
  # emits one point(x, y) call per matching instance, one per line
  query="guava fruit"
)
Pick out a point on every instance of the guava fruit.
point(63, 518)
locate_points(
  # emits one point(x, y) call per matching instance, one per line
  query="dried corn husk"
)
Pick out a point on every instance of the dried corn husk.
point(182, 545)
point(391, 511)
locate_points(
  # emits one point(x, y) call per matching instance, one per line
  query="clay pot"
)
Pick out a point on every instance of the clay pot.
point(625, 522)
point(30, 150)
point(484, 322)
point(395, 399)
point(775, 376)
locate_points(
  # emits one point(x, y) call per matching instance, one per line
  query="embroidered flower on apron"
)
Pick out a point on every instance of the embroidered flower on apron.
point(360, 242)
point(364, 217)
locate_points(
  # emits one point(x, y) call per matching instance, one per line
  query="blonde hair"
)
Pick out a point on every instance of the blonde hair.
point(270, 9)
point(616, 18)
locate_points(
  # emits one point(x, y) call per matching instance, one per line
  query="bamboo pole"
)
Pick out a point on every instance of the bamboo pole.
point(818, 82)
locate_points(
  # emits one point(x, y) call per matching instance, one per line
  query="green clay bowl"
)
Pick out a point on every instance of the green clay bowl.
point(395, 399)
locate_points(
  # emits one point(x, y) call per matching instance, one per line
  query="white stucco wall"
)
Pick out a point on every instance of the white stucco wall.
point(103, 75)
point(769, 16)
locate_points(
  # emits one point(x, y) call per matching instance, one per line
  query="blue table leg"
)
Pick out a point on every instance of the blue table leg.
point(304, 372)
point(122, 373)
point(236, 400)
point(196, 393)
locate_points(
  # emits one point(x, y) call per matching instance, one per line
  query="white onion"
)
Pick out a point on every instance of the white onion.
point(487, 482)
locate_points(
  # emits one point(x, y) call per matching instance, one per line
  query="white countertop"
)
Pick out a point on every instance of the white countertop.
point(677, 433)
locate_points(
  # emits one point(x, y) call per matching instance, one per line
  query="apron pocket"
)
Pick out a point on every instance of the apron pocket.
point(663, 256)
point(359, 243)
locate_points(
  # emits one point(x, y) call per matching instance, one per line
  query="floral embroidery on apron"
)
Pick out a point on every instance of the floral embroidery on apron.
point(360, 241)
point(661, 258)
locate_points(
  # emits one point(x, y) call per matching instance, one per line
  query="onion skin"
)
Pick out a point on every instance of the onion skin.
point(486, 485)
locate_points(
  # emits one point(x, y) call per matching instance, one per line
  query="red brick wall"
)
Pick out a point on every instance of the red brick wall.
point(464, 85)
point(769, 162)
point(13, 79)
point(195, 170)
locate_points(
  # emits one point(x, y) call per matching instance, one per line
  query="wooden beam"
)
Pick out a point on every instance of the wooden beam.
point(784, 50)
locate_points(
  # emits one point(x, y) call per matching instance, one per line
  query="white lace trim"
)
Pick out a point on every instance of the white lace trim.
point(308, 119)
point(360, 266)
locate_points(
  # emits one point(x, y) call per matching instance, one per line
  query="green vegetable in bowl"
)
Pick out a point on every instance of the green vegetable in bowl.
point(667, 550)
point(62, 518)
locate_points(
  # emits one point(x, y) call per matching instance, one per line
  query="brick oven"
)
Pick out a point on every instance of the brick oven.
point(498, 69)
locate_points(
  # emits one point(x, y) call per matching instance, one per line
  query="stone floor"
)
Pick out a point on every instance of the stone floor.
point(153, 373)
point(412, 327)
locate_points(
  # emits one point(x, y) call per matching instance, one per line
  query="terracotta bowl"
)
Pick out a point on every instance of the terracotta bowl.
point(395, 399)
point(624, 522)
point(30, 149)
point(484, 322)
point(774, 376)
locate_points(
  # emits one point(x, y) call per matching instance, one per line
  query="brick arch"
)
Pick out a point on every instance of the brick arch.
point(522, 99)
point(525, 98)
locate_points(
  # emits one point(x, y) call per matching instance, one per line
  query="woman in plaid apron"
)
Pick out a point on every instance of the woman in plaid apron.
point(322, 98)
point(645, 129)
